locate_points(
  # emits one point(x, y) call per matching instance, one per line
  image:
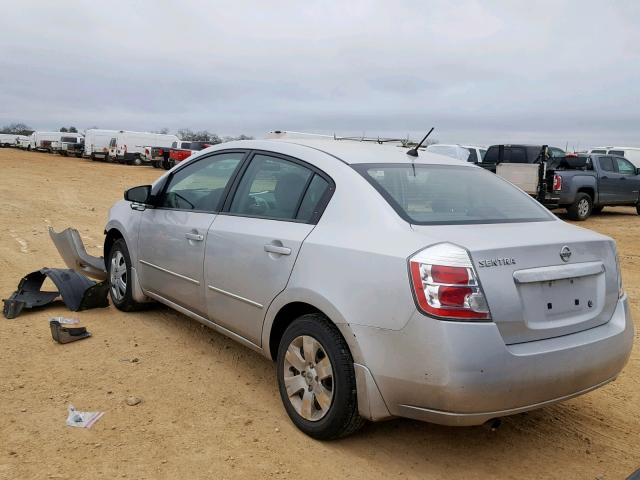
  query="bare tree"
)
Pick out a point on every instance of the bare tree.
point(162, 131)
point(17, 129)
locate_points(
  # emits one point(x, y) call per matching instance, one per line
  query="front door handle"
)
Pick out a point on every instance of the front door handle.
point(277, 249)
point(196, 237)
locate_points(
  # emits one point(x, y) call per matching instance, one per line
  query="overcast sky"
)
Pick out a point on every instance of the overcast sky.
point(479, 71)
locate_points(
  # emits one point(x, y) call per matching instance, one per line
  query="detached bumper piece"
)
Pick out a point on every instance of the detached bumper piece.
point(77, 292)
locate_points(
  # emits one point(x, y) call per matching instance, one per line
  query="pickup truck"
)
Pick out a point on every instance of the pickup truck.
point(587, 183)
point(176, 155)
point(581, 184)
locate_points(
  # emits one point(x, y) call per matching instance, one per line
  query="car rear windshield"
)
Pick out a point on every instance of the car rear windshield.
point(451, 195)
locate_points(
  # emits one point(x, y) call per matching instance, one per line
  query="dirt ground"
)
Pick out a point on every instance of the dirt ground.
point(210, 407)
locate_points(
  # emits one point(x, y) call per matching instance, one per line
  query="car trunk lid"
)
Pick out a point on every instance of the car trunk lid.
point(532, 292)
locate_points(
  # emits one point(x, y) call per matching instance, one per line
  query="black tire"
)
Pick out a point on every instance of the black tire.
point(341, 417)
point(137, 161)
point(581, 208)
point(638, 208)
point(597, 210)
point(155, 164)
point(126, 303)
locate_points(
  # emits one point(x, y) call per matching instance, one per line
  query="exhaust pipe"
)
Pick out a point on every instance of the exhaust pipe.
point(493, 424)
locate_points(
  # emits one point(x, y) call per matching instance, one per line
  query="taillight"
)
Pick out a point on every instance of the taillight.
point(160, 151)
point(445, 284)
point(557, 183)
point(620, 286)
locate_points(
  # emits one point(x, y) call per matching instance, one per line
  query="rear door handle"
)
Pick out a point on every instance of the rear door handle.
point(277, 249)
point(196, 237)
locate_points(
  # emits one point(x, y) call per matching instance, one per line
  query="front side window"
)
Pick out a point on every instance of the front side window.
point(483, 152)
point(598, 151)
point(271, 188)
point(617, 152)
point(625, 167)
point(112, 143)
point(200, 185)
point(451, 195)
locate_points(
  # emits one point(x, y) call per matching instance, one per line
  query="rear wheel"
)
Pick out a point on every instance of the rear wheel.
point(137, 161)
point(316, 379)
point(155, 164)
point(581, 208)
point(119, 273)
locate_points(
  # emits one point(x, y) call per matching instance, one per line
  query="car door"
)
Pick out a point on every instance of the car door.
point(608, 181)
point(628, 179)
point(173, 235)
point(252, 245)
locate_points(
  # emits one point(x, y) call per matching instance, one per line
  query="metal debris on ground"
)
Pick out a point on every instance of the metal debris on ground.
point(82, 419)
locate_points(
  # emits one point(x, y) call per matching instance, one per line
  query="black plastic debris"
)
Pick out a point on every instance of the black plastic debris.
point(77, 292)
point(67, 333)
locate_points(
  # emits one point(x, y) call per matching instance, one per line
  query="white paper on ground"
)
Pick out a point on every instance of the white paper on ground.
point(82, 419)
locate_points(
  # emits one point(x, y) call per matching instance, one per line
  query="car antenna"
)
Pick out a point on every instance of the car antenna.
point(414, 151)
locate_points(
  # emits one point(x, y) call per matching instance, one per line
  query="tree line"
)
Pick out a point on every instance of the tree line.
point(182, 133)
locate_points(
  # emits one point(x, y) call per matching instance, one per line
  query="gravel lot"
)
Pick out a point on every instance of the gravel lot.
point(210, 407)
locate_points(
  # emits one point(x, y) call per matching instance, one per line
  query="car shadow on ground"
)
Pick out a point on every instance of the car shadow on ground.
point(402, 444)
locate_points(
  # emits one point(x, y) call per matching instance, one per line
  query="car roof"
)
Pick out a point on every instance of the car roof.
point(348, 151)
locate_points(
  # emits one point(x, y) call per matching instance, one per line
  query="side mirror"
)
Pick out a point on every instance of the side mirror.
point(140, 195)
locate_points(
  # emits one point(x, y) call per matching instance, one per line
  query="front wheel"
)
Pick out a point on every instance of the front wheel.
point(120, 281)
point(316, 379)
point(580, 209)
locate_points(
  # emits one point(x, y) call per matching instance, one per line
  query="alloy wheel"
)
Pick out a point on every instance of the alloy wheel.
point(583, 208)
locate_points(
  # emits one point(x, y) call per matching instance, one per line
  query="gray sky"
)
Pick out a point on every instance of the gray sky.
point(479, 71)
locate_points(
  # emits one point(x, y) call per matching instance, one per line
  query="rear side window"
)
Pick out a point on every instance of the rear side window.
point(598, 151)
point(313, 198)
point(271, 188)
point(606, 164)
point(617, 152)
point(451, 195)
point(515, 155)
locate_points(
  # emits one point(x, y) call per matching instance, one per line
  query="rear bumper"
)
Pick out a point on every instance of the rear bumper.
point(456, 373)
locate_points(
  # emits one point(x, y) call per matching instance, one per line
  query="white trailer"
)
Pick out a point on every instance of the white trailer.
point(8, 139)
point(42, 140)
point(96, 143)
point(128, 147)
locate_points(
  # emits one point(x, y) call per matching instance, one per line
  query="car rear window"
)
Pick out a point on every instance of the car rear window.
point(451, 195)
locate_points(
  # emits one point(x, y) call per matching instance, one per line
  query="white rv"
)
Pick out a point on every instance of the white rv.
point(128, 147)
point(96, 143)
point(8, 139)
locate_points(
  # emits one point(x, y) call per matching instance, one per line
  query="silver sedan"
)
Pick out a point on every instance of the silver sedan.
point(383, 285)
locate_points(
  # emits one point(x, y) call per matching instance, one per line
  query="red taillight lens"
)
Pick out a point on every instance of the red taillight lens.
point(451, 275)
point(445, 284)
point(557, 183)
